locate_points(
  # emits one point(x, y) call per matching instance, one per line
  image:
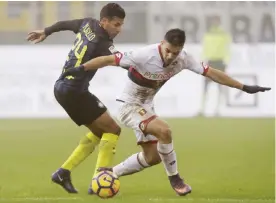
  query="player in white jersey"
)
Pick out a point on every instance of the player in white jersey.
point(149, 69)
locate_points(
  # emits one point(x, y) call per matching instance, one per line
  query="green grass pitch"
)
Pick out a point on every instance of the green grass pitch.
point(224, 160)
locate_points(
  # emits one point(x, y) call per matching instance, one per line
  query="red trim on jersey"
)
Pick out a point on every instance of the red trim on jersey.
point(118, 57)
point(143, 124)
point(160, 52)
point(136, 74)
point(205, 71)
point(205, 67)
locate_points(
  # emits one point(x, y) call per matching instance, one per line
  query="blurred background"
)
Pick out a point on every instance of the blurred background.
point(236, 37)
point(227, 157)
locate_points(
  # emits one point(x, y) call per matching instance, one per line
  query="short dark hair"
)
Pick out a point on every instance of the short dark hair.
point(176, 37)
point(111, 10)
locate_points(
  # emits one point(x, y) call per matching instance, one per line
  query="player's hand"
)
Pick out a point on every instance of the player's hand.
point(73, 71)
point(36, 36)
point(254, 89)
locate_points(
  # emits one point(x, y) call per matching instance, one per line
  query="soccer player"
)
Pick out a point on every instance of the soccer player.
point(93, 38)
point(150, 68)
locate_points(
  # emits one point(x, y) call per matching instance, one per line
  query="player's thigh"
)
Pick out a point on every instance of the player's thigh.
point(159, 129)
point(106, 124)
point(70, 101)
point(150, 152)
point(96, 131)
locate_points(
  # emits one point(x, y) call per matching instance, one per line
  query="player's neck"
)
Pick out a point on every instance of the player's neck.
point(165, 65)
point(104, 30)
point(161, 55)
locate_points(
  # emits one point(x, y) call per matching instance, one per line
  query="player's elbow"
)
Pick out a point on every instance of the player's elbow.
point(214, 74)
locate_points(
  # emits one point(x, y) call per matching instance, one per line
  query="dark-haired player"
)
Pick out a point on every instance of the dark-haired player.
point(93, 38)
point(150, 68)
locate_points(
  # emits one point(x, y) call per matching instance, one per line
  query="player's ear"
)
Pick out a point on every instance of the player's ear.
point(104, 20)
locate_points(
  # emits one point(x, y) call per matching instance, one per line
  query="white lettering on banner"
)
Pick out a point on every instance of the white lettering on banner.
point(245, 23)
point(26, 89)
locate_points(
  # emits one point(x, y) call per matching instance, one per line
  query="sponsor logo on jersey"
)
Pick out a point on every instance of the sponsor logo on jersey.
point(159, 76)
point(142, 112)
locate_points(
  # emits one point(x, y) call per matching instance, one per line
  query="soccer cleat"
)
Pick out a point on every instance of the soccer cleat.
point(90, 191)
point(179, 186)
point(63, 178)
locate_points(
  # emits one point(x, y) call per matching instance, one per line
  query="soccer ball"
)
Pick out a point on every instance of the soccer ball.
point(105, 185)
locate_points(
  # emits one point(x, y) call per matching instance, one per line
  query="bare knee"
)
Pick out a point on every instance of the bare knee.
point(107, 124)
point(113, 128)
point(161, 130)
point(165, 134)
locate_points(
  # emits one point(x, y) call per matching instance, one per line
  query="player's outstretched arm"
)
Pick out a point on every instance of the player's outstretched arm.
point(222, 78)
point(100, 62)
point(92, 64)
point(37, 36)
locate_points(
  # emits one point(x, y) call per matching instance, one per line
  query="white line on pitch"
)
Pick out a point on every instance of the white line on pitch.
point(20, 199)
point(213, 200)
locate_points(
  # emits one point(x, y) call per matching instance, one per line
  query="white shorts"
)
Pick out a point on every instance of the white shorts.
point(137, 117)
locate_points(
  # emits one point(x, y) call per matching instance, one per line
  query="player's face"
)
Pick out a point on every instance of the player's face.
point(113, 26)
point(170, 52)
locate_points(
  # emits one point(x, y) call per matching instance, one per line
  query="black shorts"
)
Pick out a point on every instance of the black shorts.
point(82, 106)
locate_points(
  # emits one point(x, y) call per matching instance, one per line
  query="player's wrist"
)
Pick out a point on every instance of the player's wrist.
point(246, 88)
point(46, 31)
point(240, 86)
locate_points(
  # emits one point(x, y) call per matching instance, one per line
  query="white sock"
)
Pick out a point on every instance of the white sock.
point(132, 164)
point(168, 157)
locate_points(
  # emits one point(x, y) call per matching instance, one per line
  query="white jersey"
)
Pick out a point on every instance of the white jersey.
point(147, 74)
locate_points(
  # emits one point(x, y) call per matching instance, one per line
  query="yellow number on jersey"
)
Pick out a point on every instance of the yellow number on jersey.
point(79, 52)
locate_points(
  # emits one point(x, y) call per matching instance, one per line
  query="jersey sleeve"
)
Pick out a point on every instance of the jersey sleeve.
point(131, 58)
point(73, 25)
point(197, 67)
